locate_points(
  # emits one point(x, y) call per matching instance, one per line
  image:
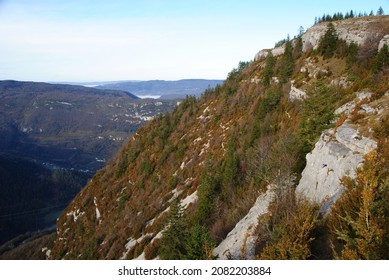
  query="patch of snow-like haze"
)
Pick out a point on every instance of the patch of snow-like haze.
point(148, 96)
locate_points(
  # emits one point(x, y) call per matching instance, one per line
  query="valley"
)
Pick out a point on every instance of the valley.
point(34, 196)
point(53, 138)
point(70, 126)
point(164, 89)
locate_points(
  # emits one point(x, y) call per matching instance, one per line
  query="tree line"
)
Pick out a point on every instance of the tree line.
point(350, 14)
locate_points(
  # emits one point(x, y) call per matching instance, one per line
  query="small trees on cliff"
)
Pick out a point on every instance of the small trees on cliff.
point(328, 43)
point(359, 219)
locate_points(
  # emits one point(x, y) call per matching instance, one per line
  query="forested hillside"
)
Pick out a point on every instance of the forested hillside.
point(217, 177)
point(184, 181)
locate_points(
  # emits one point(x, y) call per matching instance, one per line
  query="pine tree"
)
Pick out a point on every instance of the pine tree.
point(199, 245)
point(382, 58)
point(286, 68)
point(206, 194)
point(329, 41)
point(230, 168)
point(380, 11)
point(172, 244)
point(301, 31)
point(298, 48)
point(317, 113)
point(269, 69)
point(352, 53)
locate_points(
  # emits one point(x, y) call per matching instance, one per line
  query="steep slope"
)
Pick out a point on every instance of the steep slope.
point(69, 126)
point(184, 182)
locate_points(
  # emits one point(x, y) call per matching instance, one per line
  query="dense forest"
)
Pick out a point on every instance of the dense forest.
point(33, 196)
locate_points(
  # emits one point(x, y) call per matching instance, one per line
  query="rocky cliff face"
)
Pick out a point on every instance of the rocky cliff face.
point(384, 41)
point(240, 242)
point(358, 30)
point(337, 154)
point(370, 30)
point(340, 151)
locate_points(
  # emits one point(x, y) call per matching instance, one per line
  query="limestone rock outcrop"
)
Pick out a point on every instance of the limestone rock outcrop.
point(275, 52)
point(337, 154)
point(384, 41)
point(357, 30)
point(240, 241)
point(296, 94)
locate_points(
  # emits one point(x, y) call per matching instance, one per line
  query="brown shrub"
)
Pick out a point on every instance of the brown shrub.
point(151, 250)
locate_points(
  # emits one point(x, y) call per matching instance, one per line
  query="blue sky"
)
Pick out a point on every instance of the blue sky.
point(85, 40)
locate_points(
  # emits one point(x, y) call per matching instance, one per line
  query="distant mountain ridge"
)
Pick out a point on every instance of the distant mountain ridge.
point(164, 89)
point(41, 87)
point(49, 132)
point(69, 126)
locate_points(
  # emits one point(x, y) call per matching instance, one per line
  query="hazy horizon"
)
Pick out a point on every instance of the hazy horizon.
point(82, 41)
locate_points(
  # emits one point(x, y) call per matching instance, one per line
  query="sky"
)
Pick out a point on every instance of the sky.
point(94, 40)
